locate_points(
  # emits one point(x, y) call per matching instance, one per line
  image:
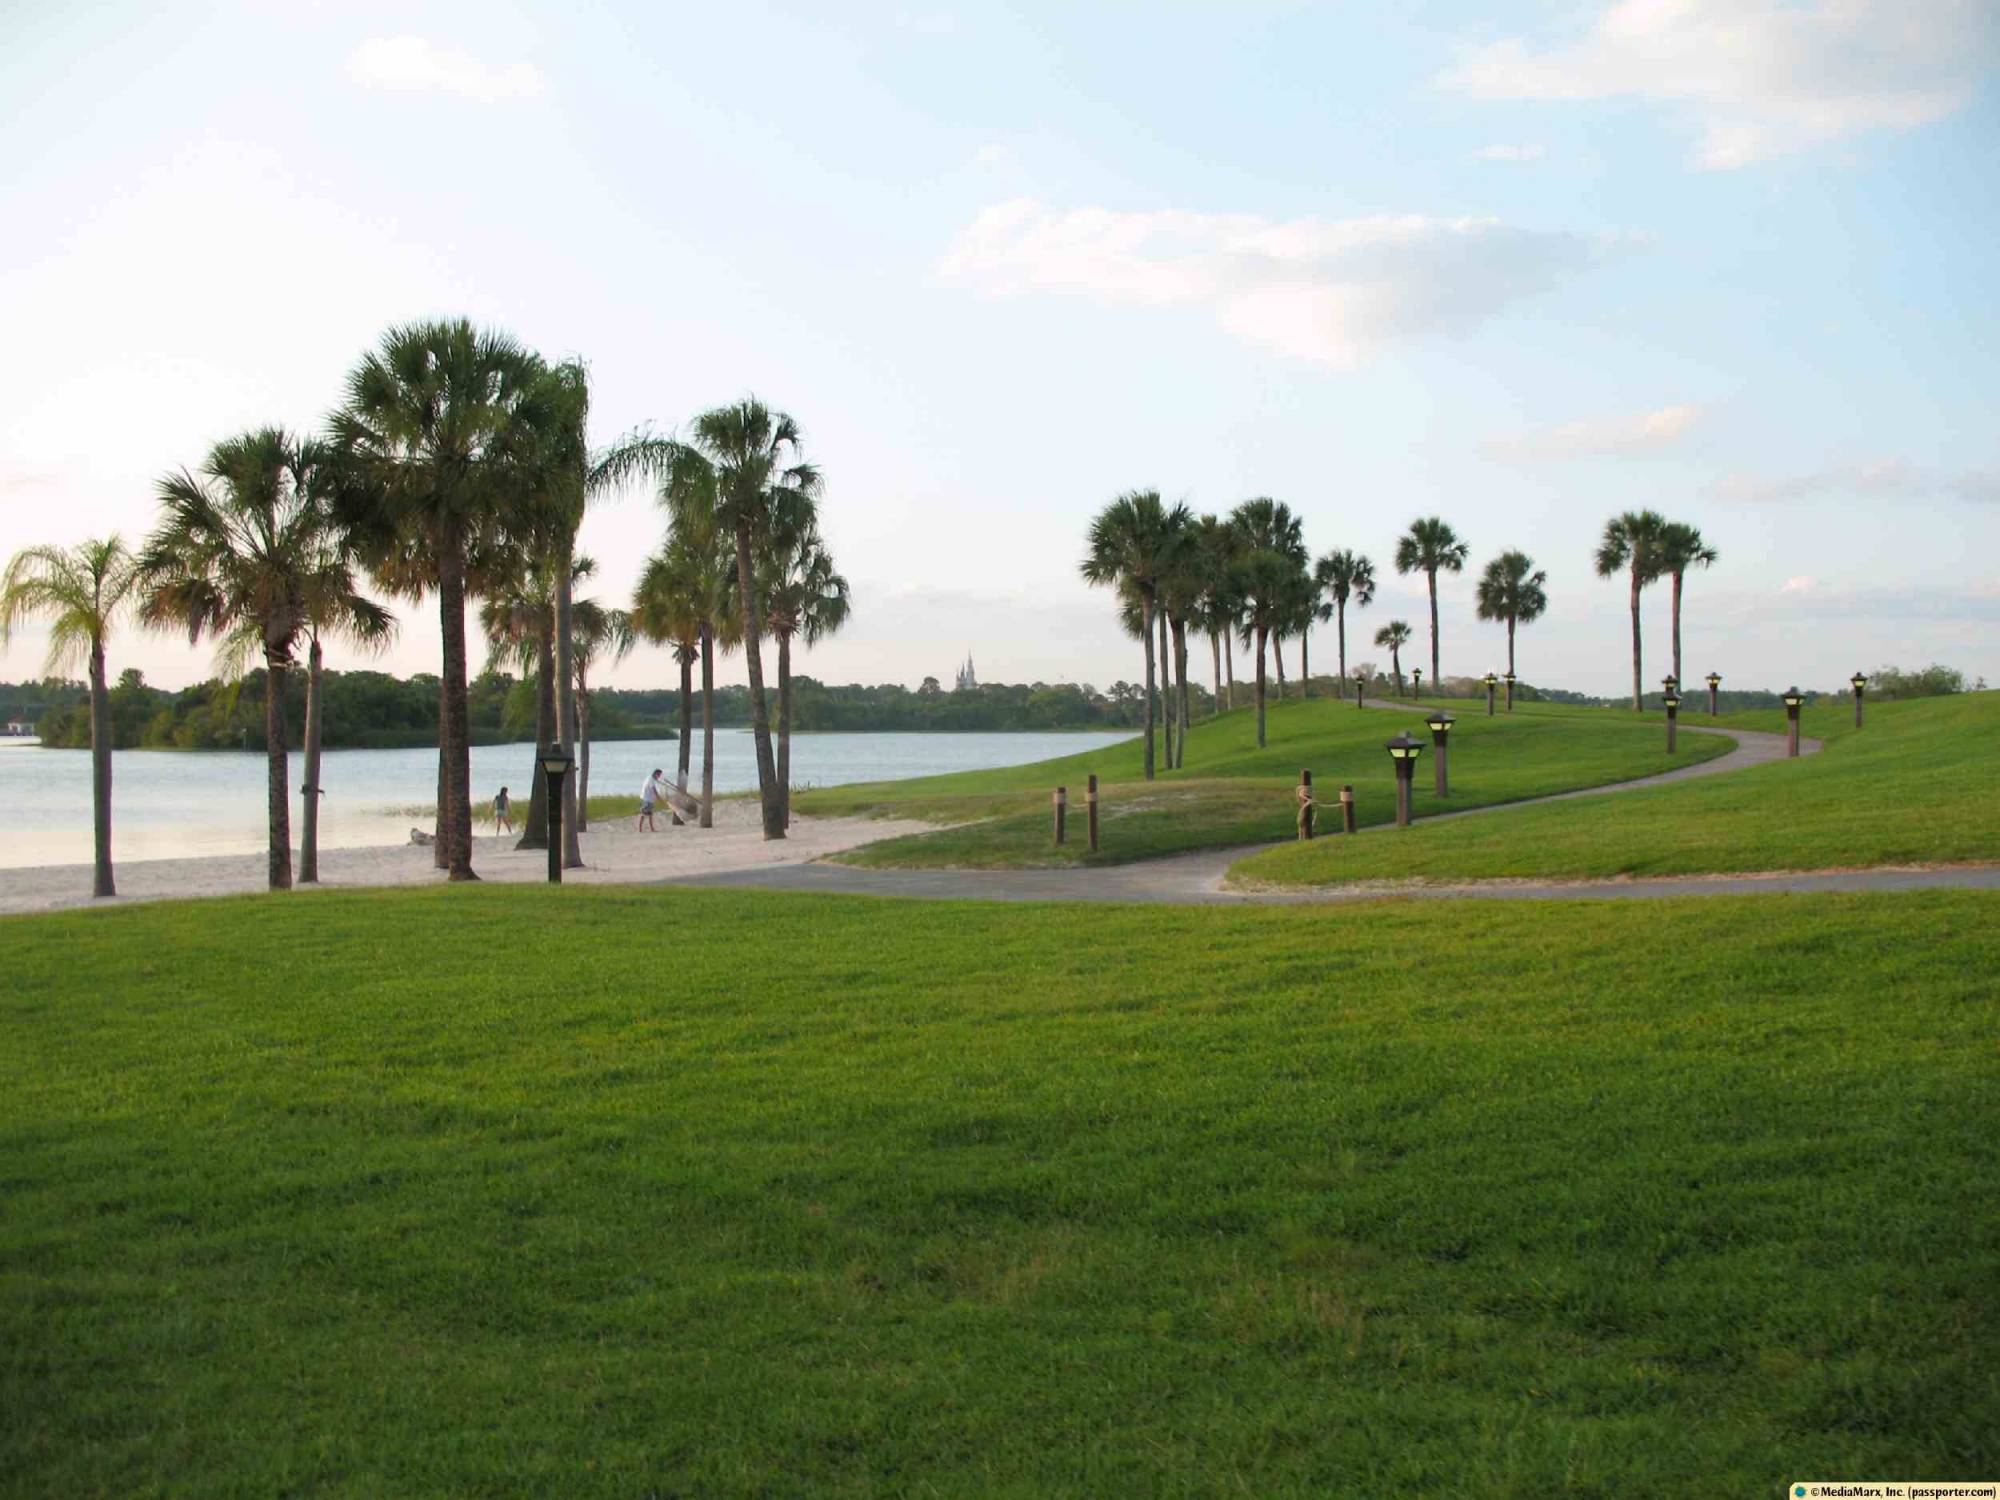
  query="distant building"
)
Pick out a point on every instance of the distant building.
point(965, 678)
point(20, 726)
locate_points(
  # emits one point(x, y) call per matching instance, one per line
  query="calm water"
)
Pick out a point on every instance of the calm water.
point(168, 803)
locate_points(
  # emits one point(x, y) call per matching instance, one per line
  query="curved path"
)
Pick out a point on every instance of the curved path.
point(1196, 878)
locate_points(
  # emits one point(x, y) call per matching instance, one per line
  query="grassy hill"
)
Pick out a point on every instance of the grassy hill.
point(1915, 786)
point(1232, 793)
point(619, 1192)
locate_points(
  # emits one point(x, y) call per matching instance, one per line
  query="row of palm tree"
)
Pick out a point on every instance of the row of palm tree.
point(1646, 547)
point(458, 467)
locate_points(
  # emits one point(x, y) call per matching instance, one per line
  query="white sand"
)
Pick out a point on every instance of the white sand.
point(613, 853)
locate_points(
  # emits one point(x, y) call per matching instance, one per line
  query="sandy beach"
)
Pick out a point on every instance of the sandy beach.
point(613, 854)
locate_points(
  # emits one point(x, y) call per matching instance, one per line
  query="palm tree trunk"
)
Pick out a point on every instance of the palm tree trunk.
point(1510, 647)
point(1229, 666)
point(1435, 679)
point(440, 844)
point(100, 773)
point(1166, 689)
point(785, 725)
point(687, 730)
point(278, 802)
point(566, 701)
point(1146, 635)
point(582, 755)
point(707, 726)
point(1396, 667)
point(1278, 661)
point(457, 726)
point(1180, 668)
point(760, 710)
point(1677, 624)
point(1340, 633)
point(309, 832)
point(1638, 673)
point(1260, 687)
point(1305, 664)
point(1215, 650)
point(535, 830)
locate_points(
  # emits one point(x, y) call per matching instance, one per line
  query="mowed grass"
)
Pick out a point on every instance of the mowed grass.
point(601, 1192)
point(1232, 793)
point(1916, 785)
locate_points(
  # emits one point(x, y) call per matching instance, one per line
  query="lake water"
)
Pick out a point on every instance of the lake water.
point(167, 804)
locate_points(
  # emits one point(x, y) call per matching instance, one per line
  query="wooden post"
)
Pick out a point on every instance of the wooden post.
point(1673, 722)
point(1443, 781)
point(1404, 771)
point(1792, 732)
point(1347, 809)
point(1062, 811)
point(1090, 811)
point(1305, 804)
point(1857, 708)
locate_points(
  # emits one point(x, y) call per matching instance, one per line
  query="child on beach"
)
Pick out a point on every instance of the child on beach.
point(649, 796)
point(503, 813)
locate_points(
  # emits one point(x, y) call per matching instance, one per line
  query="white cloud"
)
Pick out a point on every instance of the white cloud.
point(1328, 290)
point(1645, 432)
point(1804, 584)
point(410, 64)
point(1883, 479)
point(1761, 77)
point(1511, 153)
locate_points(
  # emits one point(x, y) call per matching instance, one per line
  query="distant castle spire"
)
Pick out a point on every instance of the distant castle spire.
point(966, 679)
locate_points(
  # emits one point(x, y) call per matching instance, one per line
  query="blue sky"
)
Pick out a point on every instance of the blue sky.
point(1519, 269)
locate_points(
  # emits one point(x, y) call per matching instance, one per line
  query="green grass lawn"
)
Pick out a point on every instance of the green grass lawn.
point(1916, 786)
point(1232, 793)
point(511, 1191)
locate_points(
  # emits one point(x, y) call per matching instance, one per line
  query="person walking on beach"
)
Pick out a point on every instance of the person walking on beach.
point(649, 797)
point(503, 813)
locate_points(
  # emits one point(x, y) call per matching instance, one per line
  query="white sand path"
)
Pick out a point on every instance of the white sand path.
point(613, 852)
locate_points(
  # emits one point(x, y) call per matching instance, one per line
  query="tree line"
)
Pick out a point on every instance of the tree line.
point(457, 468)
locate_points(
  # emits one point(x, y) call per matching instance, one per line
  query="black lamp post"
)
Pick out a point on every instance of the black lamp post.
point(556, 762)
point(1360, 684)
point(1671, 701)
point(1510, 690)
point(1859, 683)
point(1714, 682)
point(1492, 682)
point(1793, 698)
point(1416, 683)
point(1670, 684)
point(1404, 752)
point(1439, 724)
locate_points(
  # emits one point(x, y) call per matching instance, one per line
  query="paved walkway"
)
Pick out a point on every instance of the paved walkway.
point(1195, 879)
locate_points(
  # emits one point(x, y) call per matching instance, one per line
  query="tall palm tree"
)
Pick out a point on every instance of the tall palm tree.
point(1681, 548)
point(1344, 576)
point(666, 612)
point(238, 554)
point(1428, 546)
point(433, 426)
point(1395, 635)
point(1633, 542)
point(1265, 577)
point(1134, 541)
point(517, 616)
point(81, 592)
point(683, 599)
point(806, 598)
point(1512, 589)
point(598, 632)
point(1216, 545)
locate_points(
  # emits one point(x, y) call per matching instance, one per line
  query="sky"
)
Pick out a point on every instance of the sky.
point(1519, 267)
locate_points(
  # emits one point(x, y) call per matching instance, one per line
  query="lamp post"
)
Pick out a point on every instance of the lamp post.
point(1492, 682)
point(1671, 701)
point(1404, 752)
point(1793, 698)
point(1416, 683)
point(1510, 690)
point(1670, 684)
point(556, 761)
point(1859, 683)
point(1360, 683)
point(1714, 682)
point(1439, 724)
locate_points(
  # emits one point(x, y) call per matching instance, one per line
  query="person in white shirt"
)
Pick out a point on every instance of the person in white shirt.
point(649, 798)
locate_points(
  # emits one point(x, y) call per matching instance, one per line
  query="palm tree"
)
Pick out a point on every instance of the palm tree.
point(683, 599)
point(808, 599)
point(1681, 548)
point(1273, 552)
point(434, 427)
point(666, 611)
point(1395, 635)
point(597, 632)
point(81, 591)
point(1427, 546)
point(1134, 542)
point(517, 616)
point(1216, 545)
point(1633, 542)
point(238, 553)
point(1342, 576)
point(1511, 589)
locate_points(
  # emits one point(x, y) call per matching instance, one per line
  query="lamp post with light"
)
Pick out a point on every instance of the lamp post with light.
point(556, 761)
point(1416, 683)
point(1859, 682)
point(1510, 689)
point(1439, 724)
point(1793, 698)
point(1671, 701)
point(1491, 682)
point(1714, 682)
point(1360, 685)
point(1403, 751)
